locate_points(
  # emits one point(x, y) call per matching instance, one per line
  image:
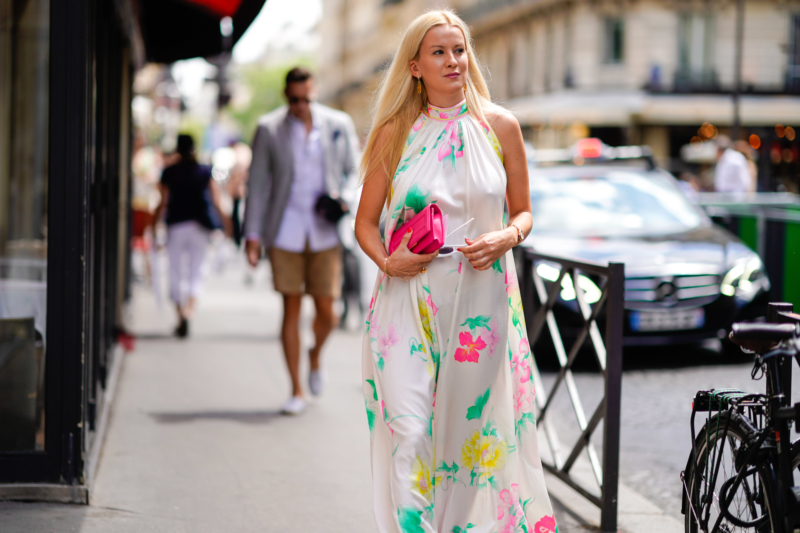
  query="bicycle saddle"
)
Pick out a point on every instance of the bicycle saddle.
point(762, 337)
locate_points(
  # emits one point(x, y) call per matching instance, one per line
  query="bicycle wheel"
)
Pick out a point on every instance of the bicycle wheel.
point(749, 505)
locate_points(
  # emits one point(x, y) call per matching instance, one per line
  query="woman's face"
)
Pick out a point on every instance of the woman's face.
point(442, 61)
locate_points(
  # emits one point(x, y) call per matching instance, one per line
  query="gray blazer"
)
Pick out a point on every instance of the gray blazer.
point(272, 167)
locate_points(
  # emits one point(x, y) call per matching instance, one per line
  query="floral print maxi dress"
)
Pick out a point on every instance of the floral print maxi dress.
point(446, 361)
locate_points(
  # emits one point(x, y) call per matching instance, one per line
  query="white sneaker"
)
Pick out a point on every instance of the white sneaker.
point(293, 406)
point(316, 381)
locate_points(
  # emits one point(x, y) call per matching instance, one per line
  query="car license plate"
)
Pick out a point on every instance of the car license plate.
point(669, 320)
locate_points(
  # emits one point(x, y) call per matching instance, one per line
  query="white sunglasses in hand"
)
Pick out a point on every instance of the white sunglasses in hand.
point(448, 249)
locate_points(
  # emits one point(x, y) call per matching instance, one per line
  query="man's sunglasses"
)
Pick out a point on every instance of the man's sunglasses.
point(296, 100)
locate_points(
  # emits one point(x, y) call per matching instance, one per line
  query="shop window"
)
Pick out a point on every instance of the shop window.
point(24, 83)
point(613, 40)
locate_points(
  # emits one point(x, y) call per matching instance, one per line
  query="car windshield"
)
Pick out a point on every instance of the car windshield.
point(610, 203)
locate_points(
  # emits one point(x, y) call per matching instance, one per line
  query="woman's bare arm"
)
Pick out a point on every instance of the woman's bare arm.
point(162, 205)
point(227, 226)
point(402, 262)
point(515, 161)
point(489, 247)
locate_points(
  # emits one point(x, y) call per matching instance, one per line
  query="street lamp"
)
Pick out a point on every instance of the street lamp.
point(737, 70)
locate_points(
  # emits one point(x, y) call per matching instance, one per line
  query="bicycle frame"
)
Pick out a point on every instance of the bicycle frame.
point(786, 517)
point(776, 400)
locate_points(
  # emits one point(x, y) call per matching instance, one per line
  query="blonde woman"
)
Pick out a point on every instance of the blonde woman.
point(446, 361)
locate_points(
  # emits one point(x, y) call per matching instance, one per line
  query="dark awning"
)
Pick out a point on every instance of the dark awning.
point(182, 29)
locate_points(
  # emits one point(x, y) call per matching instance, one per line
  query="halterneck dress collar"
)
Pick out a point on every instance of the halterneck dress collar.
point(448, 113)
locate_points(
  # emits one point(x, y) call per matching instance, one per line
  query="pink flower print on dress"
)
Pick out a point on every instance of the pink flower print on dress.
point(453, 146)
point(511, 283)
point(418, 124)
point(524, 366)
point(387, 340)
point(491, 337)
point(469, 348)
point(510, 524)
point(546, 525)
point(519, 362)
point(522, 400)
point(433, 306)
point(507, 511)
point(524, 348)
point(459, 267)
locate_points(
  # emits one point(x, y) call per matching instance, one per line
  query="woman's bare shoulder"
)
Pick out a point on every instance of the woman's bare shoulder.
point(384, 132)
point(502, 122)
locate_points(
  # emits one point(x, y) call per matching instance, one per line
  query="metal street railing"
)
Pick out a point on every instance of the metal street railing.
point(539, 299)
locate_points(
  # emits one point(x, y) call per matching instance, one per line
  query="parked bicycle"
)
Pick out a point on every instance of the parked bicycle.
point(742, 474)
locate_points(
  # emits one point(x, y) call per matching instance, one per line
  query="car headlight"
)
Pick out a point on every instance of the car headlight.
point(591, 292)
point(744, 280)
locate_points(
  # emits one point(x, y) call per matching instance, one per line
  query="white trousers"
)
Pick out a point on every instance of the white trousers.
point(187, 243)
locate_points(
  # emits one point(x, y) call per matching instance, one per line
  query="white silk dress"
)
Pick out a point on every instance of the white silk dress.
point(446, 361)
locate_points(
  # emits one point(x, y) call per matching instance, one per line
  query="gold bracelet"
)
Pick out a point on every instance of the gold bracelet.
point(520, 235)
point(385, 268)
point(400, 272)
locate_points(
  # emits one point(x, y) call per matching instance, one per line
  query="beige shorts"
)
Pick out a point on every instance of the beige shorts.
point(307, 272)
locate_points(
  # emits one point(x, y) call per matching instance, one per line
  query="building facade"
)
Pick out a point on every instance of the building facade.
point(631, 71)
point(66, 76)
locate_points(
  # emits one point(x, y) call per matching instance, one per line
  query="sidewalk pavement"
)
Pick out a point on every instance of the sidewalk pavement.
point(196, 444)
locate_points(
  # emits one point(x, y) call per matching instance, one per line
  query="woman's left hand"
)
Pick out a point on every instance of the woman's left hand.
point(488, 248)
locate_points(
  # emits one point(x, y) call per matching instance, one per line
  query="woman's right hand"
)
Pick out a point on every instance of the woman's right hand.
point(405, 264)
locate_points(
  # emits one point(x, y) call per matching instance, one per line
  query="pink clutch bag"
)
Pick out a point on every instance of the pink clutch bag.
point(428, 227)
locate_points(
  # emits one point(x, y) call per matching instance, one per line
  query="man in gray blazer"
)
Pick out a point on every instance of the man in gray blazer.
point(301, 152)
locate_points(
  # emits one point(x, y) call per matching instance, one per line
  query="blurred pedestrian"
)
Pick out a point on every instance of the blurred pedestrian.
point(303, 154)
point(191, 199)
point(446, 361)
point(732, 174)
point(744, 148)
point(237, 187)
point(689, 184)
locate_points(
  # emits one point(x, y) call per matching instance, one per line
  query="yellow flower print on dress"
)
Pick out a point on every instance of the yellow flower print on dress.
point(485, 453)
point(425, 318)
point(421, 480)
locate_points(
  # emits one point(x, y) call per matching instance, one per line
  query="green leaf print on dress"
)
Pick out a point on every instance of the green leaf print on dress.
point(410, 520)
point(449, 473)
point(417, 198)
point(476, 410)
point(370, 416)
point(374, 388)
point(481, 321)
point(496, 266)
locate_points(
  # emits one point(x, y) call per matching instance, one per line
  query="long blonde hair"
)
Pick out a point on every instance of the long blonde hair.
point(398, 103)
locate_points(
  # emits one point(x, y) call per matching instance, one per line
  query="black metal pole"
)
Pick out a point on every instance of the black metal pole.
point(773, 315)
point(615, 314)
point(737, 70)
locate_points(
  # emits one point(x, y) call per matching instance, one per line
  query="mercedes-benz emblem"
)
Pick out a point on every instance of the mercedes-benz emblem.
point(666, 292)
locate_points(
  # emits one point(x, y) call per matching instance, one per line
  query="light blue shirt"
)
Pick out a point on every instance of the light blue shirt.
point(300, 223)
